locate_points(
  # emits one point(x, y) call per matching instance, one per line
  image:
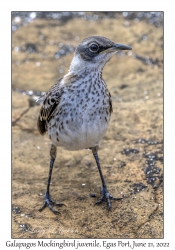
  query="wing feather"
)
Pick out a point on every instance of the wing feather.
point(48, 107)
point(110, 104)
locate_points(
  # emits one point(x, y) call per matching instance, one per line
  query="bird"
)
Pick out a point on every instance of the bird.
point(76, 110)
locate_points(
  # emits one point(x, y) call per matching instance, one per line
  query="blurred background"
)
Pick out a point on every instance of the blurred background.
point(131, 152)
point(44, 43)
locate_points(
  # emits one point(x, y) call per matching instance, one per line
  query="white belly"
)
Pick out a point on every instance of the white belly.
point(83, 132)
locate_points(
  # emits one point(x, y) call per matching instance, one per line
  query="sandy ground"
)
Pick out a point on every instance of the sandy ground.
point(131, 153)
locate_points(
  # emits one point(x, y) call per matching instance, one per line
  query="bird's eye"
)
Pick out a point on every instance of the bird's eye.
point(93, 47)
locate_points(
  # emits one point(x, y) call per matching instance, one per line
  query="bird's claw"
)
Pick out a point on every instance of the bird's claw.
point(108, 196)
point(48, 201)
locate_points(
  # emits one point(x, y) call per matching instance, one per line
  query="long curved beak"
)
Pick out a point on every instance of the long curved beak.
point(117, 47)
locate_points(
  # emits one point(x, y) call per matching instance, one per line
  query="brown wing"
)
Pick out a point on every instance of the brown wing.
point(48, 107)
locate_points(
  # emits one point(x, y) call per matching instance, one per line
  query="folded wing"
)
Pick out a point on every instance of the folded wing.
point(48, 107)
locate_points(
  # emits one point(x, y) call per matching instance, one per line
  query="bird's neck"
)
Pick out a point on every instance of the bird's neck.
point(82, 68)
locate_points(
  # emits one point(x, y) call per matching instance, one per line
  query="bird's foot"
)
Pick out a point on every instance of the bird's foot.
point(108, 196)
point(48, 201)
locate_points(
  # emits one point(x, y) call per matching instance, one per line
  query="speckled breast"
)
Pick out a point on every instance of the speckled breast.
point(82, 116)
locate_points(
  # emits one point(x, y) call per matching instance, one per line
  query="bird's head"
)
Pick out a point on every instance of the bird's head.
point(94, 52)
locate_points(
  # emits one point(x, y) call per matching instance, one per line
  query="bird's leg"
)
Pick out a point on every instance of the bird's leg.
point(104, 191)
point(47, 198)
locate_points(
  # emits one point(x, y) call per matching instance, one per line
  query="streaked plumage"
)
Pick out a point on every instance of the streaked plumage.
point(76, 110)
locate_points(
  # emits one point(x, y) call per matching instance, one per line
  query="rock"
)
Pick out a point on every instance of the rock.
point(137, 113)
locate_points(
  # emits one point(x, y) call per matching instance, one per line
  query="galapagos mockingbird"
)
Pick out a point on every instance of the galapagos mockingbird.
point(77, 109)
